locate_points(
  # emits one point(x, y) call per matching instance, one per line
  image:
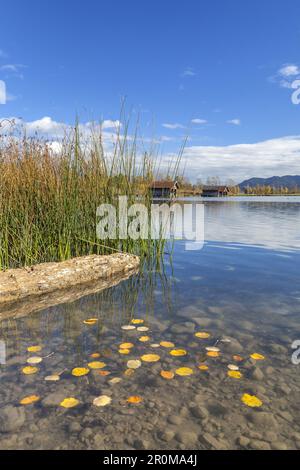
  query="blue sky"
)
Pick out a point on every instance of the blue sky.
point(218, 71)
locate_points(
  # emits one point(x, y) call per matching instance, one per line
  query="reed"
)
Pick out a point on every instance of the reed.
point(48, 199)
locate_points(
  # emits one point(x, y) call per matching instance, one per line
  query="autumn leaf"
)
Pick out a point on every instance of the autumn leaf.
point(184, 371)
point(202, 335)
point(154, 345)
point(124, 351)
point(178, 352)
point(150, 357)
point(69, 402)
point(126, 346)
point(115, 380)
point(52, 378)
point(80, 371)
point(237, 358)
point(34, 360)
point(213, 353)
point(257, 357)
point(137, 321)
point(134, 364)
point(167, 374)
point(103, 400)
point(235, 374)
point(34, 348)
point(128, 327)
point(167, 344)
point(134, 399)
point(142, 328)
point(96, 365)
point(232, 367)
point(144, 339)
point(203, 367)
point(28, 370)
point(103, 373)
point(129, 372)
point(251, 400)
point(95, 355)
point(29, 400)
point(212, 348)
point(90, 321)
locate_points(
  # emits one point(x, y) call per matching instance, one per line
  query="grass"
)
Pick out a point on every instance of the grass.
point(48, 199)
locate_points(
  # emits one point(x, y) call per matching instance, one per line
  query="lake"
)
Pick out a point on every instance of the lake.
point(192, 316)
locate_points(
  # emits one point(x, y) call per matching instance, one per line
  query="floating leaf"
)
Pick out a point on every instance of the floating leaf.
point(167, 374)
point(144, 339)
point(251, 400)
point(178, 352)
point(202, 335)
point(69, 402)
point(96, 365)
point(80, 371)
point(34, 348)
point(52, 378)
point(235, 374)
point(126, 346)
point(134, 399)
point(90, 321)
point(128, 327)
point(237, 358)
point(142, 328)
point(95, 355)
point(167, 344)
point(203, 367)
point(28, 370)
point(184, 371)
point(212, 348)
point(115, 380)
point(154, 345)
point(137, 321)
point(134, 364)
point(124, 351)
point(34, 360)
point(257, 357)
point(213, 353)
point(103, 373)
point(129, 372)
point(103, 400)
point(232, 367)
point(150, 357)
point(29, 400)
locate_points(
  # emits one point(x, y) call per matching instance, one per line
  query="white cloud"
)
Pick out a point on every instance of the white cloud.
point(268, 158)
point(198, 121)
point(286, 75)
point(235, 122)
point(14, 69)
point(108, 124)
point(189, 72)
point(289, 70)
point(176, 125)
point(3, 96)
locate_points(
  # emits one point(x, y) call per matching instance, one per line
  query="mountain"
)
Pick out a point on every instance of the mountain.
point(287, 181)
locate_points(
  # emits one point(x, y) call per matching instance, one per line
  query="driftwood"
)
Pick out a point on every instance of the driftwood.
point(30, 289)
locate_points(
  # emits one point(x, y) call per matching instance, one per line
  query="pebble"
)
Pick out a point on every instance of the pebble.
point(278, 445)
point(243, 441)
point(259, 445)
point(11, 418)
point(199, 412)
point(257, 374)
point(166, 436)
point(187, 438)
point(212, 442)
point(263, 419)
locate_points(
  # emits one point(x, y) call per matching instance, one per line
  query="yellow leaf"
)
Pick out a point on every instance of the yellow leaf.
point(30, 399)
point(178, 352)
point(28, 370)
point(103, 373)
point(69, 402)
point(142, 328)
point(126, 345)
point(34, 360)
point(134, 364)
point(134, 399)
point(52, 378)
point(137, 321)
point(235, 374)
point(251, 400)
point(203, 367)
point(95, 355)
point(124, 351)
point(80, 371)
point(144, 339)
point(103, 400)
point(96, 365)
point(167, 344)
point(129, 372)
point(167, 374)
point(90, 321)
point(150, 357)
point(237, 358)
point(213, 353)
point(184, 371)
point(257, 357)
point(34, 348)
point(202, 335)
point(115, 380)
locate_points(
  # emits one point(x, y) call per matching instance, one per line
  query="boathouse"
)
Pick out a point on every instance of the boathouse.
point(164, 189)
point(215, 191)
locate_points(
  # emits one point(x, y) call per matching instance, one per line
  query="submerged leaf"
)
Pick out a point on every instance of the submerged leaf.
point(134, 399)
point(115, 380)
point(184, 371)
point(144, 339)
point(103, 373)
point(235, 374)
point(167, 344)
point(134, 364)
point(69, 402)
point(178, 352)
point(233, 367)
point(251, 400)
point(129, 372)
point(90, 321)
point(202, 335)
point(96, 365)
point(142, 328)
point(52, 378)
point(257, 357)
point(150, 357)
point(126, 346)
point(128, 327)
point(213, 353)
point(34, 348)
point(29, 400)
point(137, 321)
point(80, 371)
point(103, 400)
point(212, 348)
point(203, 367)
point(237, 358)
point(167, 374)
point(28, 370)
point(34, 360)
point(154, 345)
point(95, 355)
point(124, 351)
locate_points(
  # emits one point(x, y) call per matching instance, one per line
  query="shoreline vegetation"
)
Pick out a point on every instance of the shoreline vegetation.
point(49, 197)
